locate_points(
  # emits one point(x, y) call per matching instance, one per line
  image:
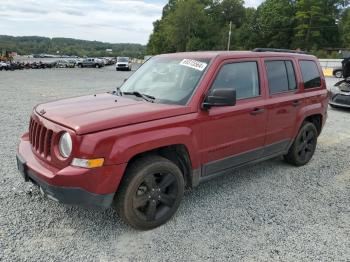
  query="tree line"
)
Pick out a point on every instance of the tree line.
point(309, 25)
point(26, 45)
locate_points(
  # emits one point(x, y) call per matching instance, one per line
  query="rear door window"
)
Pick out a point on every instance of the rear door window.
point(281, 76)
point(310, 73)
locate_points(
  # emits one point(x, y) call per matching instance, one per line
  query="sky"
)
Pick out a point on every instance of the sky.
point(114, 21)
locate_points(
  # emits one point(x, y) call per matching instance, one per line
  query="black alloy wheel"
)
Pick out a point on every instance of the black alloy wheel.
point(155, 196)
point(150, 193)
point(304, 145)
point(307, 145)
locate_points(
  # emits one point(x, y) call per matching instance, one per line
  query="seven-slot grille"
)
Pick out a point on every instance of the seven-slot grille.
point(40, 138)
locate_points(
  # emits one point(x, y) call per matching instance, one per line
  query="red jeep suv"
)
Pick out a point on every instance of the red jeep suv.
point(179, 120)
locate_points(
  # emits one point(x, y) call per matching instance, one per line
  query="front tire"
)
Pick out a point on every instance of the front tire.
point(338, 74)
point(150, 193)
point(304, 145)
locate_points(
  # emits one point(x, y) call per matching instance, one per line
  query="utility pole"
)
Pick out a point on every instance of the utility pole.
point(229, 37)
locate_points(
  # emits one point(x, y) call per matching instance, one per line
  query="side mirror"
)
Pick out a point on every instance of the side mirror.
point(220, 97)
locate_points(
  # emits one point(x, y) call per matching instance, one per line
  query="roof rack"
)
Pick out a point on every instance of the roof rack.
point(279, 50)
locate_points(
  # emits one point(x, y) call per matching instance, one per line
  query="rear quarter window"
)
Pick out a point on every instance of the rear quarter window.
point(310, 73)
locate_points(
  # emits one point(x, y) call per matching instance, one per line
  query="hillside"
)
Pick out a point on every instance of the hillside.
point(25, 45)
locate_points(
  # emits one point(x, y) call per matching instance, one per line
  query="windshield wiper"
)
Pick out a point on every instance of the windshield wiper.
point(119, 92)
point(116, 92)
point(145, 97)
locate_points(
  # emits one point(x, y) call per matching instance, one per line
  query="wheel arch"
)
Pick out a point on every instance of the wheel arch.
point(315, 118)
point(176, 153)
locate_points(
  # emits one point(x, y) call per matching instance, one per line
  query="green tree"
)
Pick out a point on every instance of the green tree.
point(225, 11)
point(344, 27)
point(188, 23)
point(222, 12)
point(185, 26)
point(316, 23)
point(275, 20)
point(248, 33)
point(67, 46)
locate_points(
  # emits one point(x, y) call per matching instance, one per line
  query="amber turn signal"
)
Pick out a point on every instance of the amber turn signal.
point(88, 163)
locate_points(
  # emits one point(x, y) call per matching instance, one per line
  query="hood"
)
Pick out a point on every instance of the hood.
point(87, 114)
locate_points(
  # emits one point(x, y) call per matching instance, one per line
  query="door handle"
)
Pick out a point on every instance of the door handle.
point(296, 103)
point(257, 111)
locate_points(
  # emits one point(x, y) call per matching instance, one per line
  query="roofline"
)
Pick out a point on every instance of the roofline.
point(238, 54)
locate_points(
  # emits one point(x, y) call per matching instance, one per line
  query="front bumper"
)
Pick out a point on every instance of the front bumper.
point(70, 185)
point(122, 66)
point(340, 100)
point(65, 195)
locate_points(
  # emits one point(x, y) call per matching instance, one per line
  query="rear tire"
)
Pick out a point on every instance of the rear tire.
point(150, 193)
point(304, 145)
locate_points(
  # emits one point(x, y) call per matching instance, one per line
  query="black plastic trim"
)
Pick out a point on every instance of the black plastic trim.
point(256, 155)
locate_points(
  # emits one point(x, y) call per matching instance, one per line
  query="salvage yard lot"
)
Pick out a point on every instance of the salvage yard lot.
point(266, 212)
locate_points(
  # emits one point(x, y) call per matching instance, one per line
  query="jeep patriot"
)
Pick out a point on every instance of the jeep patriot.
point(179, 120)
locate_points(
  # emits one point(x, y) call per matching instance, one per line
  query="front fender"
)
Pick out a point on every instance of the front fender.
point(126, 147)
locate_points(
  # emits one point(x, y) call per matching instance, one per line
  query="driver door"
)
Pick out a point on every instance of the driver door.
point(235, 135)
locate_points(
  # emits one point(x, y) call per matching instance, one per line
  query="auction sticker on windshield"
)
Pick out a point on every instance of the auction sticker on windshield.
point(194, 64)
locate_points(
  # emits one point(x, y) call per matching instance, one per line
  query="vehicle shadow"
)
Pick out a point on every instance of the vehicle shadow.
point(203, 196)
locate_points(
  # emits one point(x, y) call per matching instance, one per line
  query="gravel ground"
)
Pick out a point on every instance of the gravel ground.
point(267, 212)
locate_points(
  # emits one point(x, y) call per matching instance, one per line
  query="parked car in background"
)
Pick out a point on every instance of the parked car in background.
point(3, 65)
point(179, 120)
point(16, 65)
point(65, 63)
point(340, 92)
point(90, 62)
point(11, 65)
point(338, 72)
point(123, 63)
point(109, 61)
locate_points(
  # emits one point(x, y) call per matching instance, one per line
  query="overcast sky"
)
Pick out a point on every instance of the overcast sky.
point(115, 21)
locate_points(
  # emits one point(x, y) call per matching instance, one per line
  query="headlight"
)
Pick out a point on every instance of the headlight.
point(335, 90)
point(65, 145)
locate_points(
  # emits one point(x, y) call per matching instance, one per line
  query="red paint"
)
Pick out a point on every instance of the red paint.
point(117, 131)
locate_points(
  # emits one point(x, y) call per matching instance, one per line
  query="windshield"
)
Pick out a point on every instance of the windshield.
point(123, 59)
point(168, 80)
